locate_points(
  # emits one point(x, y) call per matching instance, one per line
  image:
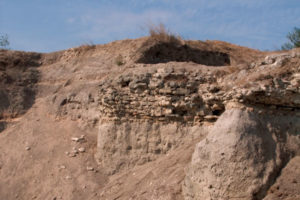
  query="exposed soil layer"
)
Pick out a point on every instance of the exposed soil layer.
point(18, 76)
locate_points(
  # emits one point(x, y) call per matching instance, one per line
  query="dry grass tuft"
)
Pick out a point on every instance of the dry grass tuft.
point(160, 33)
point(119, 60)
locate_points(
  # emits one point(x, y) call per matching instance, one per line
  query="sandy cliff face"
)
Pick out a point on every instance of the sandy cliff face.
point(147, 114)
point(195, 120)
point(253, 140)
point(246, 149)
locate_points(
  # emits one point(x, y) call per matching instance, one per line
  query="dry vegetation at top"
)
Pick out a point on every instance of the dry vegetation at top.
point(162, 46)
point(160, 33)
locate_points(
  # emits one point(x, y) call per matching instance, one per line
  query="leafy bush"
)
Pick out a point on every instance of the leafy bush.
point(294, 40)
point(4, 41)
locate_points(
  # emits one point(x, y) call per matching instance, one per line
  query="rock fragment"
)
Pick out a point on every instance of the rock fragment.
point(89, 168)
point(81, 149)
point(78, 139)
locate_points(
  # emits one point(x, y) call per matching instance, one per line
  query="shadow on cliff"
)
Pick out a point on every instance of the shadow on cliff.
point(163, 52)
point(18, 78)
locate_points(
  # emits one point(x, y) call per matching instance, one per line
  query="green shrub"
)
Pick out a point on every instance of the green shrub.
point(294, 40)
point(4, 41)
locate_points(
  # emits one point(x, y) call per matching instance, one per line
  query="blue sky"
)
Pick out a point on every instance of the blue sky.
point(51, 25)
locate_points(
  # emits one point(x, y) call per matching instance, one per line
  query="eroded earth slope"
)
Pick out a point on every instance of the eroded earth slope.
point(147, 119)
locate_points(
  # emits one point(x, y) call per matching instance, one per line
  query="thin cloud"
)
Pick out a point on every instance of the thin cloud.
point(255, 23)
point(117, 25)
point(242, 22)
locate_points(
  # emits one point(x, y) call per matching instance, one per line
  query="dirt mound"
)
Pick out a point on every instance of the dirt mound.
point(121, 121)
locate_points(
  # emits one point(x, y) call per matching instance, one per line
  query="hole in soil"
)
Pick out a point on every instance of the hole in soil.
point(64, 102)
point(166, 52)
point(180, 112)
point(217, 112)
point(2, 126)
point(129, 148)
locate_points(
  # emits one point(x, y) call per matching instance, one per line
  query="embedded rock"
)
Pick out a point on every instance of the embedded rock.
point(145, 115)
point(242, 155)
